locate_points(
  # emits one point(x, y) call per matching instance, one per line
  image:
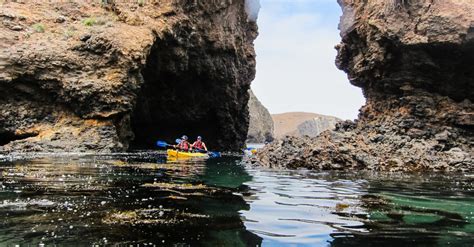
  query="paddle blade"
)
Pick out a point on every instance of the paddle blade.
point(161, 144)
point(214, 154)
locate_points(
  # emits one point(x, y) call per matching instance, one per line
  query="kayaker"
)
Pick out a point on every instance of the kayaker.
point(184, 144)
point(199, 144)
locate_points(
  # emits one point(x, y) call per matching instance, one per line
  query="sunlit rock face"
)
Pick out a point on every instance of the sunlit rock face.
point(261, 125)
point(413, 61)
point(83, 76)
point(390, 45)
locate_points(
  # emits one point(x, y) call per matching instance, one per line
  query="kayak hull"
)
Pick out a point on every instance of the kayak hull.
point(181, 154)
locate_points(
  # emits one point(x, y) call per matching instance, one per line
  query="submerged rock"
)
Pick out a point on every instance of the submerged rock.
point(260, 123)
point(84, 76)
point(156, 217)
point(413, 61)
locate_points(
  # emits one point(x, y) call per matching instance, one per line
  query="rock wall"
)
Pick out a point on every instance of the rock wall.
point(413, 60)
point(260, 123)
point(85, 76)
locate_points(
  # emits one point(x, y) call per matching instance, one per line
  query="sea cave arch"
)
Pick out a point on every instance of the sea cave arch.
point(191, 89)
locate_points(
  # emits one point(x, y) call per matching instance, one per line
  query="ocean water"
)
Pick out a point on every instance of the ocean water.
point(144, 199)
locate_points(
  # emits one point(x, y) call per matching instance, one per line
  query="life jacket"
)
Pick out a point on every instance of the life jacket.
point(184, 145)
point(198, 144)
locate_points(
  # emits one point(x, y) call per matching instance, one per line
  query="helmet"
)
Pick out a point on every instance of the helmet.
point(199, 137)
point(184, 137)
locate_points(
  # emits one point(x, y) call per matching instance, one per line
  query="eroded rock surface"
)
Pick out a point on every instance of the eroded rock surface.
point(413, 60)
point(260, 123)
point(84, 76)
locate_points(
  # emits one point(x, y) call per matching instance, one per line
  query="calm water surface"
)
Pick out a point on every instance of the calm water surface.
point(144, 199)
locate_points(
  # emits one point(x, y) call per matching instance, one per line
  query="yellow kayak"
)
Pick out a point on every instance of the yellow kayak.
point(181, 154)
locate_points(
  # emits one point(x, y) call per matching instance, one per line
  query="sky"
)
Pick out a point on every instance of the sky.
point(295, 60)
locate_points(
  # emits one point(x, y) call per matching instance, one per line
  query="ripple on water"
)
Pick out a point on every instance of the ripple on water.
point(144, 198)
point(328, 208)
point(288, 209)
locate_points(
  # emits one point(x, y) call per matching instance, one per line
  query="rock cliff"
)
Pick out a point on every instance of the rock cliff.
point(299, 124)
point(413, 60)
point(104, 76)
point(260, 123)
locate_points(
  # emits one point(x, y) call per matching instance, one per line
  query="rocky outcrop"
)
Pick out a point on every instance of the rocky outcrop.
point(413, 60)
point(85, 76)
point(299, 124)
point(260, 123)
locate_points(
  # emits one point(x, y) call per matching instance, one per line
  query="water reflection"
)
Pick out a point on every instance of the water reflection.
point(126, 199)
point(320, 209)
point(297, 208)
point(420, 210)
point(144, 198)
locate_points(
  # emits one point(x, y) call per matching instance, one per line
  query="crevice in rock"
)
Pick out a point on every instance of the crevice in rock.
point(8, 136)
point(177, 97)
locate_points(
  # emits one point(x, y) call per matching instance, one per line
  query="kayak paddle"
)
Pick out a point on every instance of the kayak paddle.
point(163, 144)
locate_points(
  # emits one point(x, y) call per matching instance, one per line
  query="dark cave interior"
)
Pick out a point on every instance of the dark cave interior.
point(175, 100)
point(7, 137)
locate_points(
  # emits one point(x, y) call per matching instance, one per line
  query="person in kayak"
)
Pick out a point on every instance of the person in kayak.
point(199, 144)
point(184, 144)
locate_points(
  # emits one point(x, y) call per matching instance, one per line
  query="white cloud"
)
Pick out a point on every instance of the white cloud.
point(295, 65)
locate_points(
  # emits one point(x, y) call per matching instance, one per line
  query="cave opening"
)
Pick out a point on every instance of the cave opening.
point(9, 136)
point(176, 99)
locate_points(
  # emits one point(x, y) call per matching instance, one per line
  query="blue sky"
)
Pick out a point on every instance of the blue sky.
point(295, 59)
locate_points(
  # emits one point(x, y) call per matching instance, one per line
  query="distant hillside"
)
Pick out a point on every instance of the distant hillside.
point(302, 123)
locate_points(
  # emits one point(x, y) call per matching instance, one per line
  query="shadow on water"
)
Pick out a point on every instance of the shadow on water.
point(127, 199)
